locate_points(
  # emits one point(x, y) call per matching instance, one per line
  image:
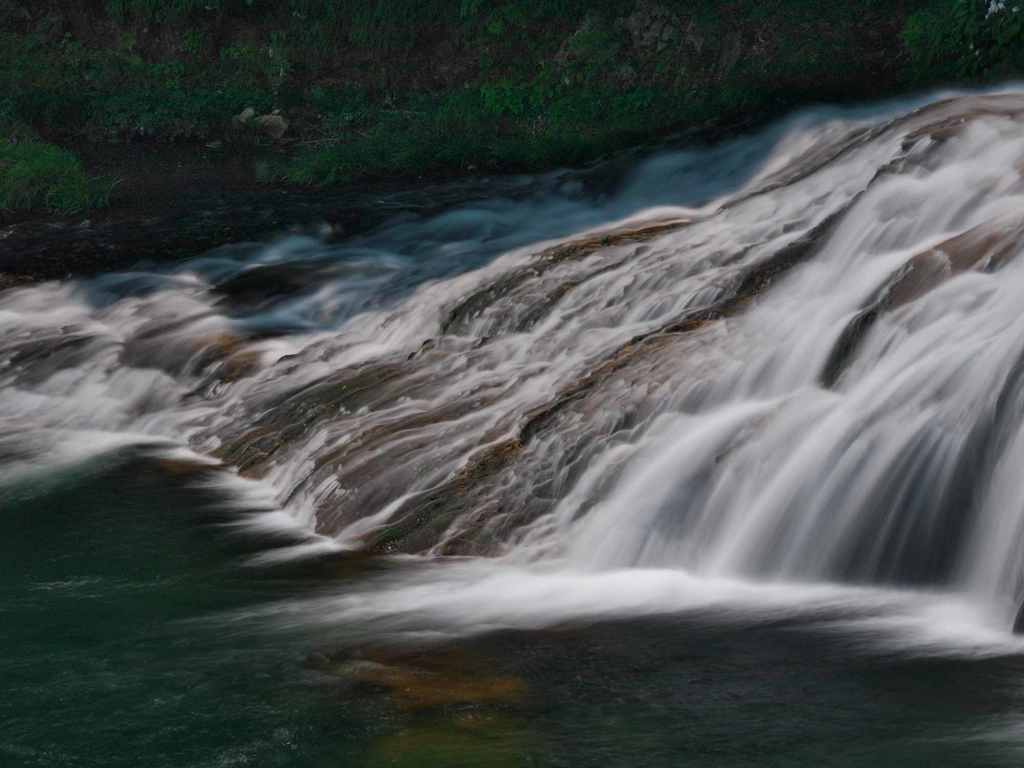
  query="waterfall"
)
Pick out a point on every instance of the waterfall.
point(776, 368)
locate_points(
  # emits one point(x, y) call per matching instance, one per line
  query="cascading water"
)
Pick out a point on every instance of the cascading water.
point(745, 375)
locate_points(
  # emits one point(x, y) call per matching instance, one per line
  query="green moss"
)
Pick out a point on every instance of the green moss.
point(37, 175)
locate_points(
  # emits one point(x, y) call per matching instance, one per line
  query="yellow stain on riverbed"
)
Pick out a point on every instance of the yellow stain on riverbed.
point(478, 740)
point(417, 688)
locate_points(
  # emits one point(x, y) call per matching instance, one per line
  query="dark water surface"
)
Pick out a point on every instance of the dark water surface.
point(115, 579)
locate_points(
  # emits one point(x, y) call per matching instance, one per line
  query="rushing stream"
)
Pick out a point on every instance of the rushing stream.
point(709, 460)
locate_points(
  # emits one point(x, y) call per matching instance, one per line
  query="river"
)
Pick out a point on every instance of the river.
point(703, 457)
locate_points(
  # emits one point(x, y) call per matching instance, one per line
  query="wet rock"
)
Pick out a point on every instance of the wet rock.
point(179, 347)
point(462, 316)
point(240, 365)
point(217, 346)
point(985, 247)
point(274, 126)
point(245, 116)
point(1018, 623)
point(263, 283)
point(186, 468)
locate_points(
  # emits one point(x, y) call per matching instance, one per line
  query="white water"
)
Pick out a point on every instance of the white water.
point(455, 599)
point(715, 468)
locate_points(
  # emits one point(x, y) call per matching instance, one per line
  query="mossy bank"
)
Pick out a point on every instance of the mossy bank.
point(333, 92)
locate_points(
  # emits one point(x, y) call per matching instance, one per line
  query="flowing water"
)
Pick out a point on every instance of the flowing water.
point(708, 459)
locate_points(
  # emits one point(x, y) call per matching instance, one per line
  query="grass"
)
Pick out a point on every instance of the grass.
point(37, 175)
point(384, 88)
point(471, 130)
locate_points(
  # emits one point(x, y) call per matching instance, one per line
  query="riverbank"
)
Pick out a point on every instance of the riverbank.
point(259, 95)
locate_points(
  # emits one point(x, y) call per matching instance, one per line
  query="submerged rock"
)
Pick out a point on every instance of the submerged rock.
point(426, 681)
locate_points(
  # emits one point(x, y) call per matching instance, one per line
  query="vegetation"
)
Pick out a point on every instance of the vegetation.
point(38, 175)
point(409, 87)
point(966, 40)
point(511, 128)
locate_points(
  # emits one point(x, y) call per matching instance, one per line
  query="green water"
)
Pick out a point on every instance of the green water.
point(103, 654)
point(115, 578)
